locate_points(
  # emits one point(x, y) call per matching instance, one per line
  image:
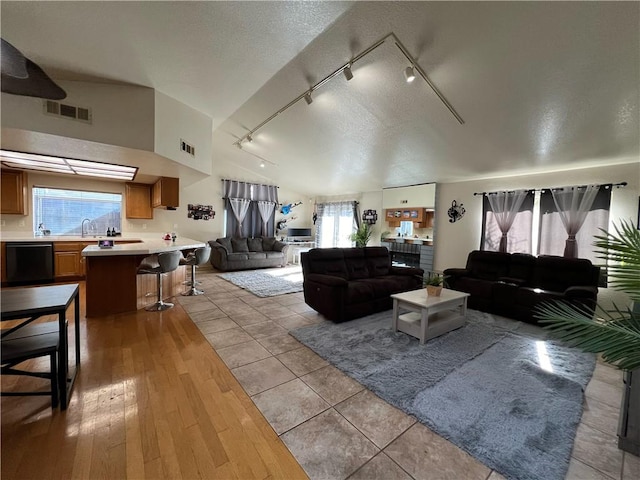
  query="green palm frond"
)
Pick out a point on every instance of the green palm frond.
point(622, 251)
point(615, 334)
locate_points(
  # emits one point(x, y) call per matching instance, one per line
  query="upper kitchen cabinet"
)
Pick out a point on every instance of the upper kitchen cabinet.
point(166, 193)
point(14, 192)
point(413, 196)
point(138, 200)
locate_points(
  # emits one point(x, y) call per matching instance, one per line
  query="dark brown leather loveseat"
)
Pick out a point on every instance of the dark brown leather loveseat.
point(347, 283)
point(514, 284)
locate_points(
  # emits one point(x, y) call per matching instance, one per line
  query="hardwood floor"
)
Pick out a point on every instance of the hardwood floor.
point(152, 400)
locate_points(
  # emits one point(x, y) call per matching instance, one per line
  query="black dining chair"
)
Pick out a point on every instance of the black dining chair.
point(27, 343)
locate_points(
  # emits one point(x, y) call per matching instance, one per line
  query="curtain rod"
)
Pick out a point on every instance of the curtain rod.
point(251, 183)
point(617, 185)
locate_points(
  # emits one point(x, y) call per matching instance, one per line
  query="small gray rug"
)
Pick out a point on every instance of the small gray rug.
point(267, 283)
point(496, 388)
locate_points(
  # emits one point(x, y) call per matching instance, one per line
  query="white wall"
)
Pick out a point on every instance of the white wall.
point(175, 121)
point(455, 240)
point(121, 115)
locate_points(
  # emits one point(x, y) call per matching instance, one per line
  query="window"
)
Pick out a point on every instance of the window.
point(336, 222)
point(250, 209)
point(507, 219)
point(62, 211)
point(583, 219)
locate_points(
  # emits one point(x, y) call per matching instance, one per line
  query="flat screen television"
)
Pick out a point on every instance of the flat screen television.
point(298, 232)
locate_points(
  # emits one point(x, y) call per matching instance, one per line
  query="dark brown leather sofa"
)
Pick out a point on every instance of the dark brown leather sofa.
point(347, 283)
point(512, 285)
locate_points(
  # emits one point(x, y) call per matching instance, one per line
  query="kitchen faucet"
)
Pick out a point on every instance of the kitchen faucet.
point(82, 227)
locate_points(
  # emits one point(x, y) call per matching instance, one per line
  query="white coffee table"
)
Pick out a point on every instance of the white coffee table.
point(429, 316)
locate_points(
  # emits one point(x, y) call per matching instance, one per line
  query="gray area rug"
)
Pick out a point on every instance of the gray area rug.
point(267, 283)
point(496, 388)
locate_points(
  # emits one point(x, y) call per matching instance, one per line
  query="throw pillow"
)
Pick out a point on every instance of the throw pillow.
point(239, 245)
point(226, 243)
point(255, 245)
point(268, 243)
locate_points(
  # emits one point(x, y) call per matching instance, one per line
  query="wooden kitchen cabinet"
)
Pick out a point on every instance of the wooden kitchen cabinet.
point(67, 259)
point(3, 261)
point(138, 200)
point(14, 192)
point(166, 193)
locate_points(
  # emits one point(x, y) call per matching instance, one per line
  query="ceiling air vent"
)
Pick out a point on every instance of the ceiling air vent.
point(68, 111)
point(185, 147)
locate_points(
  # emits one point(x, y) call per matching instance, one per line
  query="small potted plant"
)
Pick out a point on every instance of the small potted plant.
point(434, 284)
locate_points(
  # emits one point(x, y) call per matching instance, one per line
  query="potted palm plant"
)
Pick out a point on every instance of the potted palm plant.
point(614, 333)
point(361, 236)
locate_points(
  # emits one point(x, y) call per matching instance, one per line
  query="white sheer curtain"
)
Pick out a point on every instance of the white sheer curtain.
point(505, 206)
point(266, 210)
point(336, 221)
point(239, 207)
point(573, 204)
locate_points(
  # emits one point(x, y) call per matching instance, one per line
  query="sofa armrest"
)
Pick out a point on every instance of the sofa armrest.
point(279, 246)
point(456, 272)
point(410, 271)
point(512, 281)
point(328, 280)
point(587, 292)
point(219, 246)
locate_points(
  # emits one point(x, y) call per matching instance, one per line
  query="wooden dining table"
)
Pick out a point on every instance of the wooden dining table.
point(31, 303)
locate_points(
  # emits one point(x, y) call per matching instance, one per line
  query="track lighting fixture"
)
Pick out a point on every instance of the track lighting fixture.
point(249, 138)
point(347, 72)
point(409, 74)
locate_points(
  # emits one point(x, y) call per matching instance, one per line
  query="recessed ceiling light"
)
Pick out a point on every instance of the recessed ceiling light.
point(69, 166)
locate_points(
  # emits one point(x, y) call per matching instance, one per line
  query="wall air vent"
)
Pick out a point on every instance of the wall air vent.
point(67, 111)
point(185, 147)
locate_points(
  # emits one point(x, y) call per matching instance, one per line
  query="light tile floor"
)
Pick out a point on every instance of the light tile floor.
point(336, 428)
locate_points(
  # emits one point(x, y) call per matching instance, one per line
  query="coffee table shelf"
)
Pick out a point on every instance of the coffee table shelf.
point(428, 316)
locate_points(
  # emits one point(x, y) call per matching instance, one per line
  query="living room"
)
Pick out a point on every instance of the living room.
point(538, 111)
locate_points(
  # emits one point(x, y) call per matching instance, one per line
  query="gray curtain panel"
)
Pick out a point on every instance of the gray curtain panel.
point(244, 218)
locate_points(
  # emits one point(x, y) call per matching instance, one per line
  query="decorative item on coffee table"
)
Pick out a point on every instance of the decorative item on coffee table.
point(434, 284)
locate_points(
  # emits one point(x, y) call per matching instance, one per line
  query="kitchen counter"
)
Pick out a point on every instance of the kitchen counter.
point(21, 237)
point(417, 241)
point(143, 247)
point(113, 284)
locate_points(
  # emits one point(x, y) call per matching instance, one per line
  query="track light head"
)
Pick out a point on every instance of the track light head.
point(239, 145)
point(409, 74)
point(307, 98)
point(347, 72)
point(249, 138)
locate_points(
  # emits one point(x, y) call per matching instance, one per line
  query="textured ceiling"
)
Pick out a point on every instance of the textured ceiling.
point(540, 85)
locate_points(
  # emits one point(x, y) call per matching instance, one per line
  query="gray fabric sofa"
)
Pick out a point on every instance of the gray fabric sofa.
point(247, 253)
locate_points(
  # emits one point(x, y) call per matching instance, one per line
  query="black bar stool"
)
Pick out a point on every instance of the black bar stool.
point(198, 257)
point(157, 265)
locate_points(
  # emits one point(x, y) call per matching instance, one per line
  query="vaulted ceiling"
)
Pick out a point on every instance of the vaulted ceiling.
point(540, 86)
